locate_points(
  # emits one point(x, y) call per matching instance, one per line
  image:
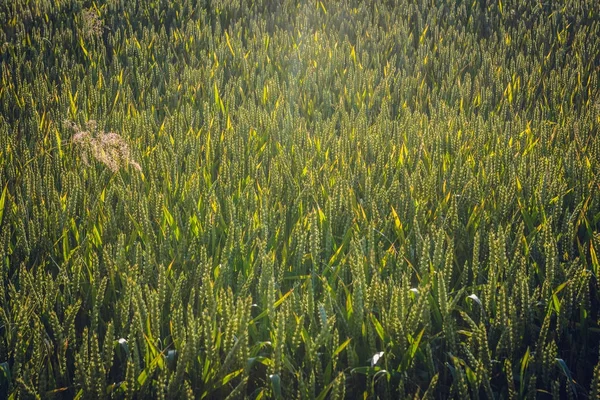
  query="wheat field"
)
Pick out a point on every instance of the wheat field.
point(337, 199)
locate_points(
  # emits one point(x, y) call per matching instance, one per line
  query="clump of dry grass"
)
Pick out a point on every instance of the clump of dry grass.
point(109, 148)
point(92, 24)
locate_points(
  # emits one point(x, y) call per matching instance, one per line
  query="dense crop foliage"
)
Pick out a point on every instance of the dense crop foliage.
point(313, 199)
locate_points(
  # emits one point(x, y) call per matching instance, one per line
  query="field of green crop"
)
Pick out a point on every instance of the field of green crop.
point(277, 199)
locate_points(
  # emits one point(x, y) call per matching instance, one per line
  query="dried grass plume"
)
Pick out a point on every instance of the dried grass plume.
point(91, 24)
point(108, 148)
